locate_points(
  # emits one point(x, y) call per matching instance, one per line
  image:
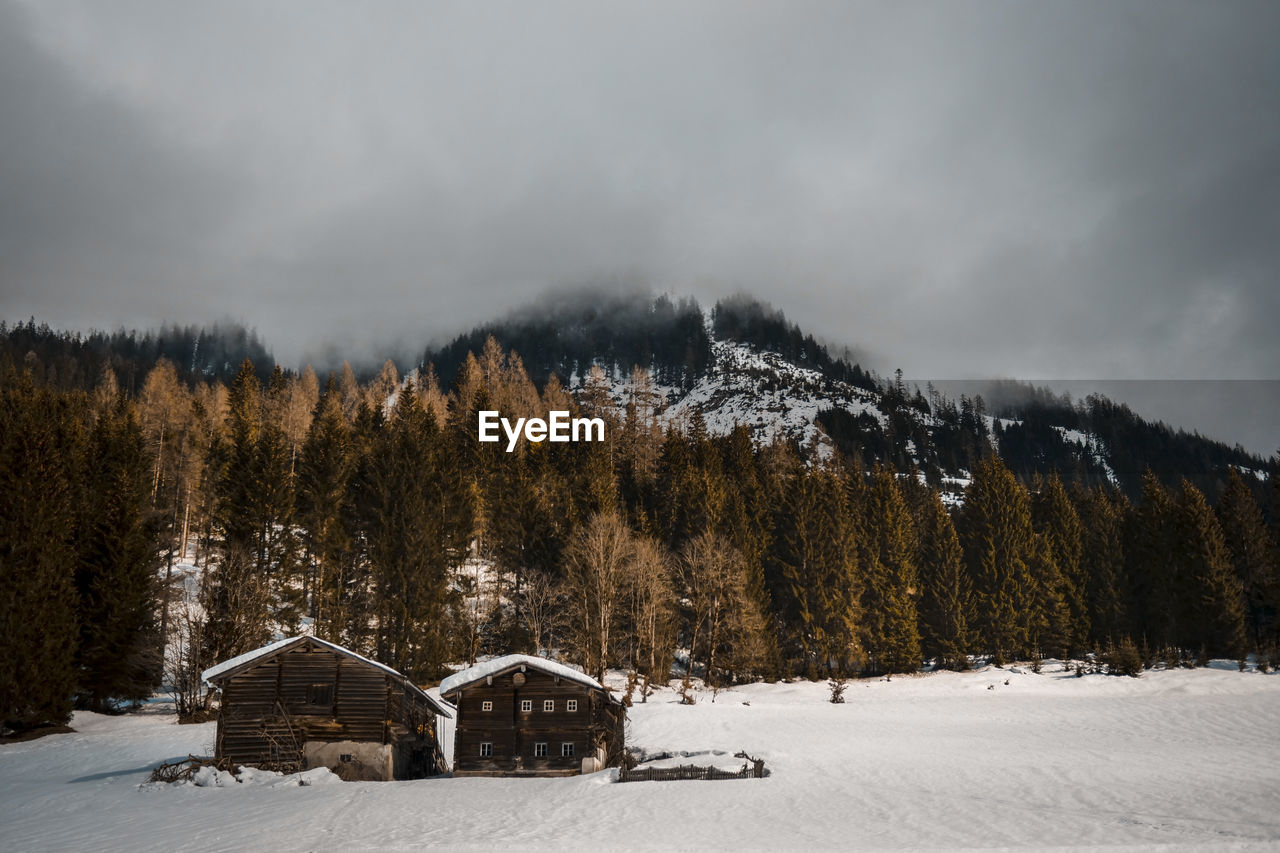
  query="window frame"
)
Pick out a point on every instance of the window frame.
point(320, 694)
point(548, 706)
point(486, 705)
point(486, 749)
point(566, 750)
point(571, 706)
point(541, 749)
point(526, 706)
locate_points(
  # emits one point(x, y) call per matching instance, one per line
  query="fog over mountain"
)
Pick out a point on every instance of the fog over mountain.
point(1234, 411)
point(962, 189)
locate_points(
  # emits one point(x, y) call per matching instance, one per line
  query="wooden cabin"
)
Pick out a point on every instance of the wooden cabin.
point(304, 702)
point(521, 715)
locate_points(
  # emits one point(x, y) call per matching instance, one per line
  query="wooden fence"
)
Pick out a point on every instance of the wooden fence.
point(751, 770)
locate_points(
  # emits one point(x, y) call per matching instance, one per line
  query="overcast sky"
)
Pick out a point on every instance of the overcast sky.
point(1042, 190)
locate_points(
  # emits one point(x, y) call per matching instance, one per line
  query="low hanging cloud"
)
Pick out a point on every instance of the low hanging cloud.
point(964, 188)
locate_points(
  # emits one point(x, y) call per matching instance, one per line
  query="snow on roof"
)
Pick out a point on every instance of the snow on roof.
point(214, 671)
point(279, 645)
point(493, 667)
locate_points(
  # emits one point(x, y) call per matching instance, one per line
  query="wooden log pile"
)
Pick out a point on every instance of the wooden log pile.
point(186, 768)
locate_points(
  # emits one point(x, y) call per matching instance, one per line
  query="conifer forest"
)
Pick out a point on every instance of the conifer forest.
point(364, 510)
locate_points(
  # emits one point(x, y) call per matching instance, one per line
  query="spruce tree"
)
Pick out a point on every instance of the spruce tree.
point(416, 536)
point(998, 541)
point(325, 469)
point(890, 584)
point(277, 547)
point(745, 521)
point(946, 593)
point(1155, 589)
point(118, 657)
point(40, 445)
point(1102, 516)
point(816, 562)
point(235, 592)
point(1254, 559)
point(1049, 618)
point(1056, 519)
point(240, 481)
point(354, 600)
point(1212, 598)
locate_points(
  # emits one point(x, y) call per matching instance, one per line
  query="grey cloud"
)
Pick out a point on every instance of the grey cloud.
point(976, 188)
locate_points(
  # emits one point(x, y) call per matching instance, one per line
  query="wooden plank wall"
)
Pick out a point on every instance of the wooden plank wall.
point(514, 733)
point(267, 705)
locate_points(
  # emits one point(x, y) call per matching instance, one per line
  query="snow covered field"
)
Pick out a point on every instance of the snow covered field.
point(1183, 760)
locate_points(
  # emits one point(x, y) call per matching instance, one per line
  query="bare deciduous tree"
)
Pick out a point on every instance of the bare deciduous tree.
point(300, 403)
point(480, 589)
point(650, 598)
point(722, 618)
point(184, 663)
point(542, 605)
point(594, 581)
point(382, 386)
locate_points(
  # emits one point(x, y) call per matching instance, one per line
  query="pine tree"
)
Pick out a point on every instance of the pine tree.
point(235, 592)
point(946, 593)
point(239, 498)
point(1153, 600)
point(469, 397)
point(40, 444)
point(815, 562)
point(1049, 619)
point(998, 541)
point(1254, 559)
point(325, 469)
point(354, 592)
point(416, 536)
point(745, 522)
point(679, 517)
point(890, 621)
point(1102, 517)
point(1212, 599)
point(1056, 519)
point(118, 656)
point(277, 547)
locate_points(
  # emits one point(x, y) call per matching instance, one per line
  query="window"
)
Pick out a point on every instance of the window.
point(571, 706)
point(539, 750)
point(549, 705)
point(486, 705)
point(566, 750)
point(486, 750)
point(320, 694)
point(526, 705)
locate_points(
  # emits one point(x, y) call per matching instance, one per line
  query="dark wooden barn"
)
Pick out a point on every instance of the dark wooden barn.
point(520, 715)
point(304, 702)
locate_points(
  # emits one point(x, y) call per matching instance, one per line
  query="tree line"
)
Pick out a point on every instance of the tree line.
point(369, 514)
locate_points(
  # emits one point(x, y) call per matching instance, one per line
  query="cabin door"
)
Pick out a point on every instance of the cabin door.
point(517, 733)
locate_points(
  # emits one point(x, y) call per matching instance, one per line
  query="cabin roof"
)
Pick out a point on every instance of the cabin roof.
point(506, 663)
point(238, 664)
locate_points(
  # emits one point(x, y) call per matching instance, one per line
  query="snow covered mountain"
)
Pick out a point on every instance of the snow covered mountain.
point(761, 390)
point(743, 363)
